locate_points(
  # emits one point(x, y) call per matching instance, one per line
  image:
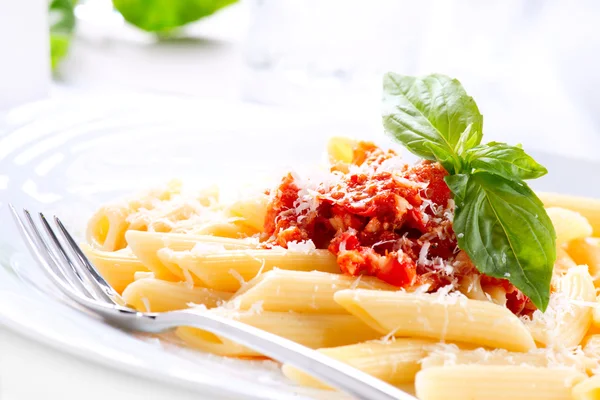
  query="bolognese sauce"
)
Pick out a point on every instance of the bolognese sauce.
point(381, 217)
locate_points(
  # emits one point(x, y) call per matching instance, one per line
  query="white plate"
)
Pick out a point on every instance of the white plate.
point(66, 157)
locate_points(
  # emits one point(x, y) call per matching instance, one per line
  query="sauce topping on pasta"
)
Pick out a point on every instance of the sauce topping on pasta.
point(380, 217)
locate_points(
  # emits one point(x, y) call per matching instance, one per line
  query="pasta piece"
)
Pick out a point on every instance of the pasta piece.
point(589, 208)
point(209, 196)
point(394, 361)
point(495, 382)
point(447, 317)
point(118, 268)
point(311, 330)
point(145, 246)
point(564, 262)
point(446, 355)
point(596, 314)
point(157, 296)
point(340, 150)
point(569, 314)
point(587, 252)
point(470, 286)
point(229, 270)
point(106, 229)
point(251, 211)
point(497, 294)
point(301, 291)
point(226, 229)
point(569, 225)
point(591, 348)
point(588, 389)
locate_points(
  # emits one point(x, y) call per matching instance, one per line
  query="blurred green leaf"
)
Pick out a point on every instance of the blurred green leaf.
point(165, 15)
point(62, 25)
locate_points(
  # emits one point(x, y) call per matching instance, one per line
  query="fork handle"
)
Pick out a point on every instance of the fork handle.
point(348, 379)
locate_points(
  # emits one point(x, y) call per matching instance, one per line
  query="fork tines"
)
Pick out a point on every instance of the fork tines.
point(62, 259)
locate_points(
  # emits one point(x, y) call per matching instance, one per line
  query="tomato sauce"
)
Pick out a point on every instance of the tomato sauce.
point(380, 218)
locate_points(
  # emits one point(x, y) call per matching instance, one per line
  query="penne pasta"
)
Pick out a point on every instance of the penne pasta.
point(154, 295)
point(596, 314)
point(569, 315)
point(496, 382)
point(251, 211)
point(591, 348)
point(589, 208)
point(444, 355)
point(395, 362)
point(230, 269)
point(563, 262)
point(301, 291)
point(340, 150)
point(569, 225)
point(118, 268)
point(395, 269)
point(431, 316)
point(587, 389)
point(311, 330)
point(145, 245)
point(106, 229)
point(226, 229)
point(587, 252)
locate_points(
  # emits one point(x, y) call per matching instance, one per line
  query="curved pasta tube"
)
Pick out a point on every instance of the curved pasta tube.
point(106, 229)
point(229, 270)
point(251, 211)
point(311, 330)
point(587, 389)
point(589, 208)
point(453, 318)
point(569, 225)
point(118, 268)
point(301, 291)
point(445, 355)
point(587, 252)
point(569, 314)
point(563, 262)
point(495, 382)
point(145, 246)
point(154, 295)
point(340, 150)
point(471, 287)
point(395, 362)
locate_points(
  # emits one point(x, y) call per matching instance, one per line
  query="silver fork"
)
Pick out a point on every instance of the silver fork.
point(68, 268)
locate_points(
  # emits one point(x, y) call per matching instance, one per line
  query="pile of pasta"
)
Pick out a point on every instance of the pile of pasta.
point(165, 251)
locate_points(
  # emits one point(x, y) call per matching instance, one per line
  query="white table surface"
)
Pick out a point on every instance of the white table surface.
point(211, 65)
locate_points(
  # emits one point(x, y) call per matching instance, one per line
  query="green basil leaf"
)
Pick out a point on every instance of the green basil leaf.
point(506, 232)
point(62, 24)
point(165, 15)
point(431, 109)
point(458, 186)
point(502, 159)
point(451, 162)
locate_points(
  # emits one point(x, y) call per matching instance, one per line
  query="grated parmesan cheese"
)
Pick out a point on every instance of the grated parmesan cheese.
point(302, 247)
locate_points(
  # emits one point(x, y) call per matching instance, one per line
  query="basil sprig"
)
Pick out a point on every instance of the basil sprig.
point(499, 221)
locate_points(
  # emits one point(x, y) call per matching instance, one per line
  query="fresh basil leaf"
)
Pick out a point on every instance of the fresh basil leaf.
point(418, 111)
point(505, 160)
point(62, 25)
point(458, 186)
point(165, 15)
point(451, 162)
point(505, 230)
